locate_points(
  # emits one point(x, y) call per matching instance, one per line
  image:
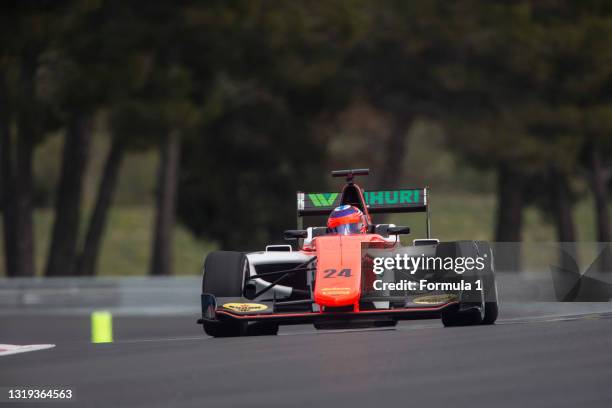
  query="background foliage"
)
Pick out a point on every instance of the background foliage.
point(133, 137)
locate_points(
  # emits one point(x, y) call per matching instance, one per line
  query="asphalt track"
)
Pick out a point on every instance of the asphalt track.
point(528, 359)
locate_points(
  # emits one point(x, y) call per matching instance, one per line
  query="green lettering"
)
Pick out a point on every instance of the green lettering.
point(329, 200)
point(406, 196)
point(323, 200)
point(388, 199)
point(376, 197)
point(315, 199)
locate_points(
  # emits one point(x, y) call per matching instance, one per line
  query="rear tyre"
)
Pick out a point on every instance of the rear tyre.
point(471, 311)
point(223, 276)
point(452, 316)
point(491, 313)
point(489, 285)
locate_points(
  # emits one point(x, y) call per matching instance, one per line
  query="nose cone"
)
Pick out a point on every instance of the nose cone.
point(338, 278)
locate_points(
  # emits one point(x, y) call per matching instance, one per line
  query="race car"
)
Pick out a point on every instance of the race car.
point(334, 280)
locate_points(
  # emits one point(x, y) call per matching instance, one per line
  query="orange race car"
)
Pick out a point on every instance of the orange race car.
point(350, 272)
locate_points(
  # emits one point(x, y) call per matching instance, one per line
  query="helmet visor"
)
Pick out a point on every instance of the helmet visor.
point(348, 229)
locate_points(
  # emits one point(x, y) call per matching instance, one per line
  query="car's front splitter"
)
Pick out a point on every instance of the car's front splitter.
point(245, 310)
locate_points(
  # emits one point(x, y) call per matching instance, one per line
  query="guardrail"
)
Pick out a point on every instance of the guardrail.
point(139, 295)
point(181, 295)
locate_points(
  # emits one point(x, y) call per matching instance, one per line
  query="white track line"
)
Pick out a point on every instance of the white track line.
point(8, 349)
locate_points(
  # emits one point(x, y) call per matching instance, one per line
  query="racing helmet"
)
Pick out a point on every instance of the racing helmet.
point(347, 220)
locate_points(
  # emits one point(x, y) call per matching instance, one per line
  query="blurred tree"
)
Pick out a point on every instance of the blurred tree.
point(285, 69)
point(395, 67)
point(87, 259)
point(243, 194)
point(26, 107)
point(600, 172)
point(82, 78)
point(6, 178)
point(537, 71)
point(134, 124)
point(62, 252)
point(524, 88)
point(179, 117)
point(517, 78)
point(165, 206)
point(171, 94)
point(485, 91)
point(574, 48)
point(109, 52)
point(592, 90)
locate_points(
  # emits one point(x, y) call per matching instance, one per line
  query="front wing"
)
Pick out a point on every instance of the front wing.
point(218, 309)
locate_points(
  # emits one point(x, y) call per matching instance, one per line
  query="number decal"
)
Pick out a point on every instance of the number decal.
point(329, 273)
point(346, 272)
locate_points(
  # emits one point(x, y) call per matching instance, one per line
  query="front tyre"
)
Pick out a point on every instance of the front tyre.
point(223, 276)
point(225, 329)
point(262, 329)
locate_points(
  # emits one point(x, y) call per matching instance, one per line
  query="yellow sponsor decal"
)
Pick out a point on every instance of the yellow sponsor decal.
point(336, 291)
point(434, 299)
point(245, 307)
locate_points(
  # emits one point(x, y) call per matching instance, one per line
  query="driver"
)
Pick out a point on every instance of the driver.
point(347, 220)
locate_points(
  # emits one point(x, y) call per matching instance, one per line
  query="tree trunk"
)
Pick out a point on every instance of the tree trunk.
point(394, 152)
point(62, 254)
point(393, 159)
point(564, 221)
point(602, 216)
point(7, 186)
point(88, 259)
point(601, 200)
point(7, 192)
point(23, 204)
point(8, 195)
point(510, 187)
point(562, 206)
point(510, 200)
point(22, 177)
point(161, 259)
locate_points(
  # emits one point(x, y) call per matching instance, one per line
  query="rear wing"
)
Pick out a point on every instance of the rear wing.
point(378, 202)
